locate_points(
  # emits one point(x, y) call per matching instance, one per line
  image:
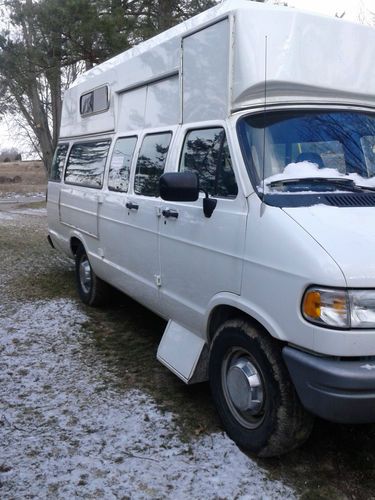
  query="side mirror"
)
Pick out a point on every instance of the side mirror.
point(179, 186)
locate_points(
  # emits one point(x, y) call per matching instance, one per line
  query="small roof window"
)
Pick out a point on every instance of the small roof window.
point(95, 101)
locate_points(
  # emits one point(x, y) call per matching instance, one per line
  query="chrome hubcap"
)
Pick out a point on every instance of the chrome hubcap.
point(85, 274)
point(243, 387)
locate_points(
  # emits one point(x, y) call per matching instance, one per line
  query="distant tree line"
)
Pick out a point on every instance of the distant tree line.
point(8, 155)
point(49, 42)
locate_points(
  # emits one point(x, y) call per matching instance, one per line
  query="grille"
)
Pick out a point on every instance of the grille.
point(351, 200)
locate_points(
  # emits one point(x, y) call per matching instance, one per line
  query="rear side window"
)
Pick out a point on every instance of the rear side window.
point(151, 163)
point(86, 163)
point(119, 169)
point(206, 153)
point(58, 162)
point(95, 101)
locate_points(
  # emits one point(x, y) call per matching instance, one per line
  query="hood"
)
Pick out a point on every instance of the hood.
point(347, 234)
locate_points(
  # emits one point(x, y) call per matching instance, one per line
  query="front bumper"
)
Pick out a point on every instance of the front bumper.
point(337, 390)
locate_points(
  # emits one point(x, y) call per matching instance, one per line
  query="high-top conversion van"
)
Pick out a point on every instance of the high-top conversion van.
point(223, 175)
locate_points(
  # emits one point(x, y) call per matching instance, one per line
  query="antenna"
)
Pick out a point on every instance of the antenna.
point(264, 115)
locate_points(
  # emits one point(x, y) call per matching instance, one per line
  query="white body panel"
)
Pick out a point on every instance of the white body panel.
point(152, 105)
point(309, 59)
point(206, 53)
point(79, 209)
point(141, 238)
point(347, 234)
point(252, 257)
point(192, 249)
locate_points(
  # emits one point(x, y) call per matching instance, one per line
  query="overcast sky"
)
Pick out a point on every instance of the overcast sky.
point(352, 9)
point(331, 7)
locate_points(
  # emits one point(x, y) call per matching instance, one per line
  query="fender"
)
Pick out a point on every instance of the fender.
point(245, 306)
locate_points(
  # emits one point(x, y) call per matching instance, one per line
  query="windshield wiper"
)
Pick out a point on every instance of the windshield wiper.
point(365, 188)
point(346, 184)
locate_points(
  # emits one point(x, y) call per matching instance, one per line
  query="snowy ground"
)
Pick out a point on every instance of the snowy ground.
point(22, 197)
point(66, 432)
point(66, 435)
point(86, 411)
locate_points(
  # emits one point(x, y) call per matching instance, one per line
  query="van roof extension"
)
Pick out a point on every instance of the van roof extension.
point(311, 59)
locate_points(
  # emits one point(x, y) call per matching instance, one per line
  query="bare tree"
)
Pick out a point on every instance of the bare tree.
point(45, 44)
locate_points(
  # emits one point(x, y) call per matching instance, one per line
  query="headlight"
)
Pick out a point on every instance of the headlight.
point(340, 308)
point(362, 308)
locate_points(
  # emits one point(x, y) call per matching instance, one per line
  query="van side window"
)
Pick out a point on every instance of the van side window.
point(86, 163)
point(206, 152)
point(119, 169)
point(151, 163)
point(95, 101)
point(58, 162)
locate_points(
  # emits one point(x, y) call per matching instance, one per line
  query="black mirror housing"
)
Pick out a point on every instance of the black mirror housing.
point(179, 186)
point(209, 205)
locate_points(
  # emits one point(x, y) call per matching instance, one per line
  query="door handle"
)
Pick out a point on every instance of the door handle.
point(170, 213)
point(132, 206)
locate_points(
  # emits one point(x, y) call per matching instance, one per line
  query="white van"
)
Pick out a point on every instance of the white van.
point(222, 174)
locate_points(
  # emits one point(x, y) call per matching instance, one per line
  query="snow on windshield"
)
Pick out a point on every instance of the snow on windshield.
point(306, 170)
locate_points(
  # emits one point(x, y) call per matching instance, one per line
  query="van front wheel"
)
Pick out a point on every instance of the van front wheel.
point(253, 393)
point(91, 289)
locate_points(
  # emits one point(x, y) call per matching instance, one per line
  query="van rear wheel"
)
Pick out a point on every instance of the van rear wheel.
point(92, 290)
point(253, 393)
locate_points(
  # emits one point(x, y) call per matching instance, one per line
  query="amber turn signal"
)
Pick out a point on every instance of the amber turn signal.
point(311, 304)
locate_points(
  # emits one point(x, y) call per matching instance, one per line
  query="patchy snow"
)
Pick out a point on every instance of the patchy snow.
point(21, 196)
point(31, 211)
point(306, 169)
point(6, 216)
point(66, 434)
point(14, 213)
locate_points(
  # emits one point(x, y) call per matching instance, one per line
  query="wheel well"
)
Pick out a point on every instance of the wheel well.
point(224, 313)
point(74, 244)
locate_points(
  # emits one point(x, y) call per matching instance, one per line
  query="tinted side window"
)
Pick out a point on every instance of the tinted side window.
point(206, 152)
point(151, 163)
point(119, 169)
point(86, 163)
point(58, 162)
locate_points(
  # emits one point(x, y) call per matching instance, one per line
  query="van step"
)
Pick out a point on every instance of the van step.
point(184, 353)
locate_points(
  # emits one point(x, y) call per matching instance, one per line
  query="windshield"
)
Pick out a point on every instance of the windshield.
point(309, 150)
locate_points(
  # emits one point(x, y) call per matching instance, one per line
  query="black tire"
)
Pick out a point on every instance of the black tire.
point(268, 420)
point(92, 290)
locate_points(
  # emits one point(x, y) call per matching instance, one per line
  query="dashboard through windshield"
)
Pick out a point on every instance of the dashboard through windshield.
point(300, 152)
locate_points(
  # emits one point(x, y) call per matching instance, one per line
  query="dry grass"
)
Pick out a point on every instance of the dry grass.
point(22, 177)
